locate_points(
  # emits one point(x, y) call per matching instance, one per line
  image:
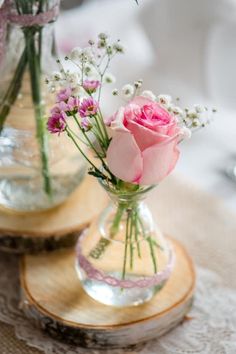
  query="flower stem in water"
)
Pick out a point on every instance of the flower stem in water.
point(35, 78)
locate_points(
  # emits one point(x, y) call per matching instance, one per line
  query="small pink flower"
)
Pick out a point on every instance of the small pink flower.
point(91, 86)
point(70, 106)
point(73, 104)
point(63, 94)
point(56, 109)
point(57, 123)
point(88, 107)
point(85, 123)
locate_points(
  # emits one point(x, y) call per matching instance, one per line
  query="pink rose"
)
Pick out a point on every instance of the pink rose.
point(143, 149)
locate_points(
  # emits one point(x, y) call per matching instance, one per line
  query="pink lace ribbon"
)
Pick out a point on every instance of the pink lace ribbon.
point(142, 282)
point(8, 14)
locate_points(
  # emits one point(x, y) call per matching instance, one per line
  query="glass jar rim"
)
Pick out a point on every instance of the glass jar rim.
point(129, 192)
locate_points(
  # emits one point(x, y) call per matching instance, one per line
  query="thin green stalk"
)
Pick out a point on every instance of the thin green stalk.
point(126, 247)
point(136, 234)
point(104, 127)
point(102, 244)
point(76, 136)
point(149, 240)
point(99, 129)
point(35, 79)
point(13, 90)
point(131, 249)
point(117, 219)
point(112, 177)
point(70, 135)
point(89, 141)
point(150, 243)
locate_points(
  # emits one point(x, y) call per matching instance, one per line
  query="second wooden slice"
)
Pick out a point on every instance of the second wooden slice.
point(53, 299)
point(58, 227)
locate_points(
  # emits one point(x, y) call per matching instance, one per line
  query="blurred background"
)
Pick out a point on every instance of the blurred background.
point(185, 48)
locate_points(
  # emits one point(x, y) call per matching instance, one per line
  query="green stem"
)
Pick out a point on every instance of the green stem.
point(136, 235)
point(104, 128)
point(150, 243)
point(35, 78)
point(112, 177)
point(13, 90)
point(117, 219)
point(71, 136)
point(102, 244)
point(149, 240)
point(100, 130)
point(130, 241)
point(126, 247)
point(88, 140)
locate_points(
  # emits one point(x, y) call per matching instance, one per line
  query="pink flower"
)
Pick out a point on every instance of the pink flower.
point(56, 109)
point(91, 86)
point(73, 104)
point(69, 106)
point(144, 145)
point(85, 123)
point(88, 107)
point(57, 123)
point(63, 94)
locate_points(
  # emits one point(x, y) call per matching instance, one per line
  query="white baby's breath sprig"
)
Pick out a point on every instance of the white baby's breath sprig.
point(149, 94)
point(186, 133)
point(115, 92)
point(138, 84)
point(109, 78)
point(178, 111)
point(57, 76)
point(72, 79)
point(196, 117)
point(118, 48)
point(103, 36)
point(94, 60)
point(127, 91)
point(165, 100)
point(199, 108)
point(75, 54)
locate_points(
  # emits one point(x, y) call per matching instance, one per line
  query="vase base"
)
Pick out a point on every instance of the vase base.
point(54, 300)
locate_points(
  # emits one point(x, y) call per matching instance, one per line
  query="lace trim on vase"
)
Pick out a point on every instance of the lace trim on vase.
point(142, 282)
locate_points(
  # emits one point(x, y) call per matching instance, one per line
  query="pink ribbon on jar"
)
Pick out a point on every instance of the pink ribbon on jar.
point(9, 15)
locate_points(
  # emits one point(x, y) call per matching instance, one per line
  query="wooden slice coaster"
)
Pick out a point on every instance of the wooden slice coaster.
point(53, 299)
point(44, 231)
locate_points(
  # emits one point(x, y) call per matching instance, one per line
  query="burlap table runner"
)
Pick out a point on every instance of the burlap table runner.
point(200, 221)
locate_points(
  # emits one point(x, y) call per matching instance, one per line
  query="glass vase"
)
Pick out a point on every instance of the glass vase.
point(124, 260)
point(37, 171)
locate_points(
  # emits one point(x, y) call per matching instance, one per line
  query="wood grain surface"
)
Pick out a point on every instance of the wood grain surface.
point(54, 300)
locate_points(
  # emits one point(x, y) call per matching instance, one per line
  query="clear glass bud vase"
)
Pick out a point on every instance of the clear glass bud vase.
point(124, 260)
point(37, 171)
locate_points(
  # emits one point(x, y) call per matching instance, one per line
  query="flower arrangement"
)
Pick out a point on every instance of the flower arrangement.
point(146, 128)
point(135, 148)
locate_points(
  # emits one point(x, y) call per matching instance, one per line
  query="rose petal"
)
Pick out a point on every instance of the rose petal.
point(145, 137)
point(158, 161)
point(124, 157)
point(117, 123)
